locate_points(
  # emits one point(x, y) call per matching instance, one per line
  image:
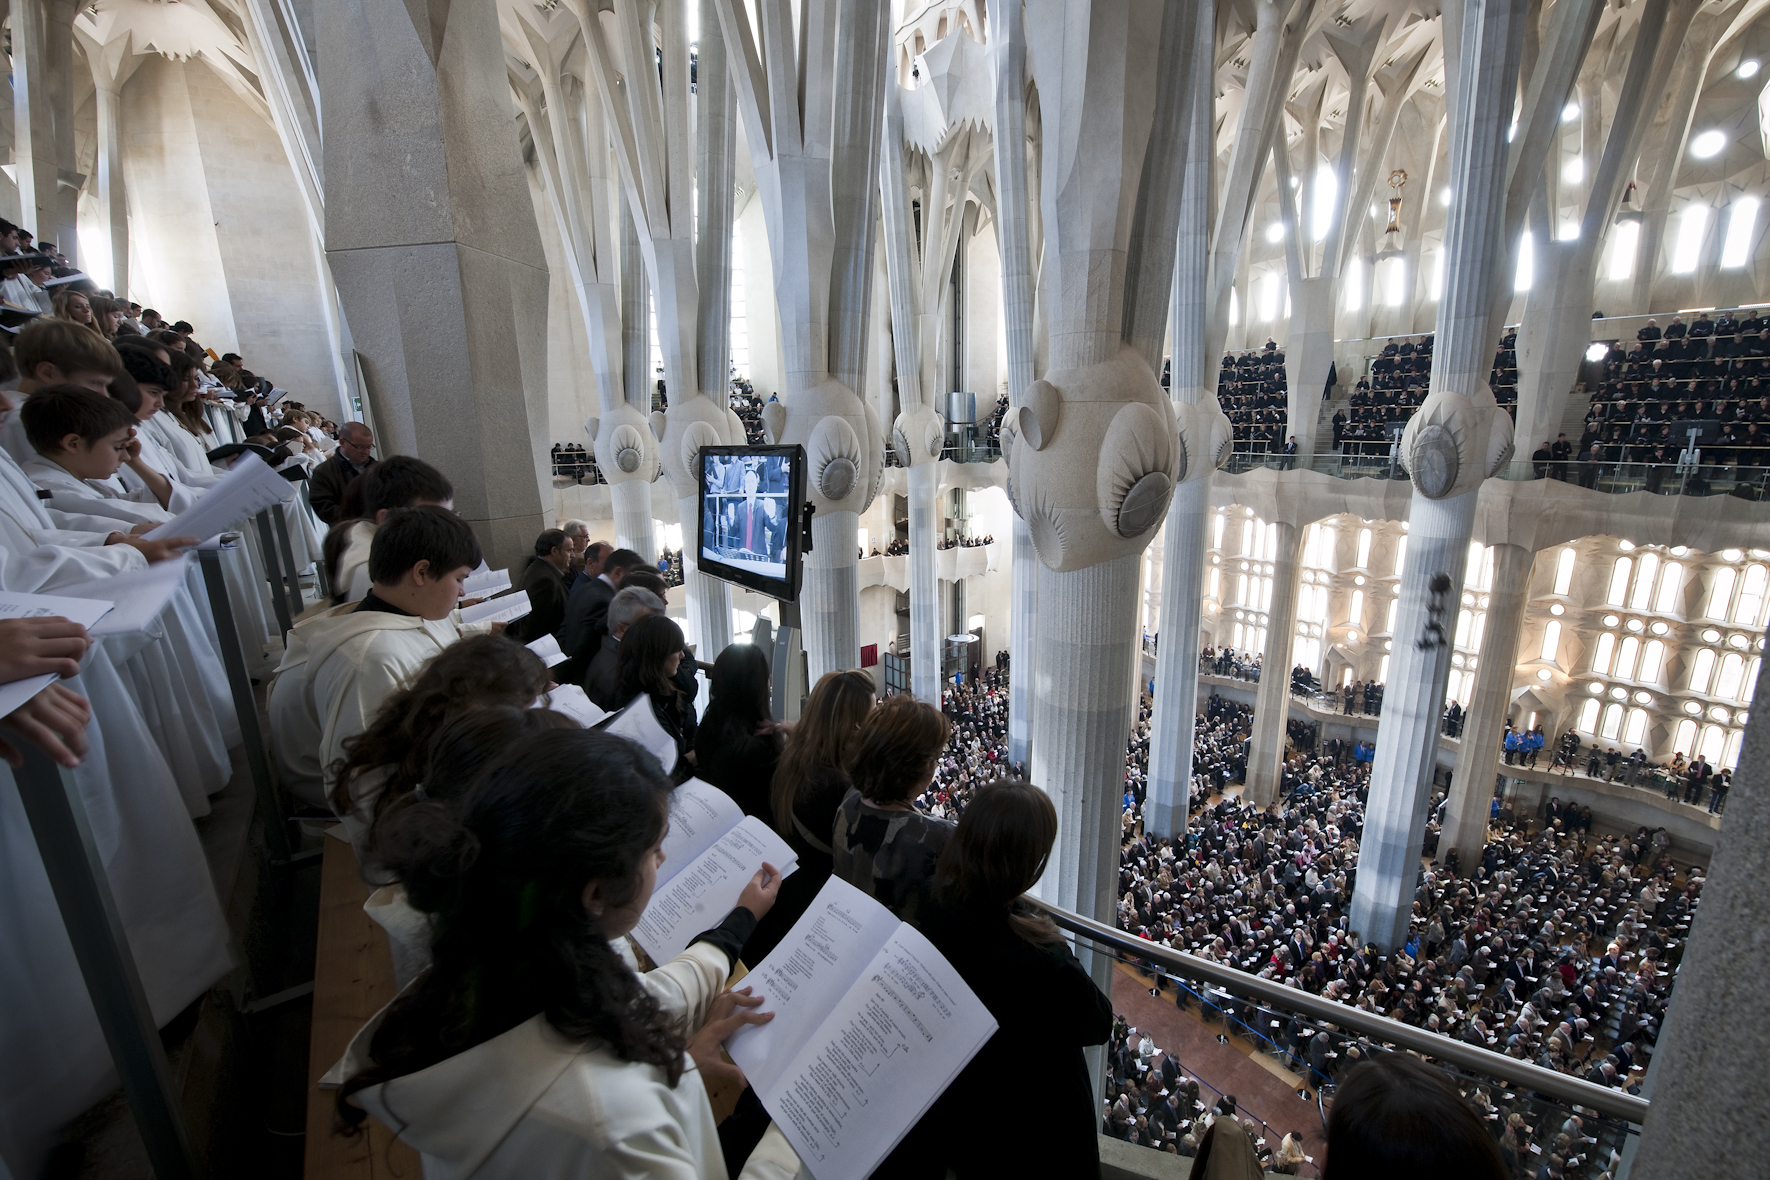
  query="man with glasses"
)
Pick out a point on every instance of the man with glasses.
point(325, 487)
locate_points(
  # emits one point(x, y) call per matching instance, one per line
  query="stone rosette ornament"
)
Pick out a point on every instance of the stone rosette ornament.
point(1454, 441)
point(844, 443)
point(692, 422)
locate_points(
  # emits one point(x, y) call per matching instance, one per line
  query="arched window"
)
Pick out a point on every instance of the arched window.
point(1702, 669)
point(1551, 640)
point(1236, 637)
point(1714, 743)
point(1588, 715)
point(1671, 581)
point(1383, 671)
point(1626, 653)
point(1217, 532)
point(1564, 571)
point(1644, 582)
point(1751, 597)
point(1720, 593)
point(1732, 669)
point(1684, 739)
point(1364, 549)
point(1394, 607)
point(1400, 554)
point(1613, 717)
point(1602, 654)
point(1636, 729)
point(1730, 759)
point(1462, 639)
point(1475, 632)
point(1751, 681)
point(1356, 618)
point(1653, 657)
point(1619, 581)
point(1216, 582)
point(1265, 594)
point(1241, 591)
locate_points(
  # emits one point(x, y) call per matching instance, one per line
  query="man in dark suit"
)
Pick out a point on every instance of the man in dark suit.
point(754, 526)
point(325, 487)
point(586, 614)
point(543, 580)
point(626, 608)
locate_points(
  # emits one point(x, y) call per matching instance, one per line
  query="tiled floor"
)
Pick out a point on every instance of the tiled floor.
point(1227, 1067)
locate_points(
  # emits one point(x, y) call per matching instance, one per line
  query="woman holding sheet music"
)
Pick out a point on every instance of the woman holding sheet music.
point(529, 1017)
point(738, 743)
point(651, 652)
point(1047, 1007)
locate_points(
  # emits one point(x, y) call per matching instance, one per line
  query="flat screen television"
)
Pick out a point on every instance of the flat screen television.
point(752, 517)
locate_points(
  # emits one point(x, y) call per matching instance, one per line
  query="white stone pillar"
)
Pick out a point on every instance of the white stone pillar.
point(43, 121)
point(635, 528)
point(1013, 215)
point(1186, 532)
point(829, 603)
point(1484, 722)
point(924, 479)
point(431, 237)
point(112, 203)
point(1272, 700)
point(1457, 438)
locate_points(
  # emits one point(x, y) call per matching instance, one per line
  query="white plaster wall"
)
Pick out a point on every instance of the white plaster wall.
point(983, 314)
point(760, 310)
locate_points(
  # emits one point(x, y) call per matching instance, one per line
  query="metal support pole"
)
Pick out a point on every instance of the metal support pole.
point(270, 802)
point(267, 545)
point(321, 582)
point(291, 578)
point(83, 893)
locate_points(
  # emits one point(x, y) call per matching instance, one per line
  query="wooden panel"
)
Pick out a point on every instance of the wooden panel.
point(353, 979)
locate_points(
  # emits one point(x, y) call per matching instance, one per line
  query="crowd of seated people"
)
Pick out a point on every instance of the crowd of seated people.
point(575, 462)
point(1385, 399)
point(1689, 779)
point(748, 407)
point(967, 540)
point(1251, 389)
point(1226, 661)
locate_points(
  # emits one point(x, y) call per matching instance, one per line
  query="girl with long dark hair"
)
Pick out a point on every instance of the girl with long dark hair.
point(1047, 1007)
point(530, 1047)
point(738, 743)
point(651, 652)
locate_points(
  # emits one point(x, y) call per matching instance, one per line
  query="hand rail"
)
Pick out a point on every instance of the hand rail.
point(1522, 1074)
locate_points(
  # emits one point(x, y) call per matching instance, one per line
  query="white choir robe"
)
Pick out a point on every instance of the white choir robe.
point(177, 674)
point(53, 1060)
point(187, 450)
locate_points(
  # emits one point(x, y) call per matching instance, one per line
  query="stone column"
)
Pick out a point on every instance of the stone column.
point(1456, 440)
point(43, 121)
point(1013, 215)
point(431, 236)
point(1484, 722)
point(112, 204)
point(1186, 533)
point(1708, 1082)
point(925, 643)
point(634, 526)
point(1272, 701)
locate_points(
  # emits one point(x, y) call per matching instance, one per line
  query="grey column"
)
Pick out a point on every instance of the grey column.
point(634, 527)
point(431, 236)
point(43, 120)
point(1440, 525)
point(1185, 534)
point(1082, 714)
point(1709, 1084)
point(1013, 216)
point(830, 598)
point(1484, 723)
point(924, 479)
point(112, 203)
point(1272, 701)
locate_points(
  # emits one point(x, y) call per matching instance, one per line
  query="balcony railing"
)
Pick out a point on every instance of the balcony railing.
point(1666, 479)
point(1277, 1020)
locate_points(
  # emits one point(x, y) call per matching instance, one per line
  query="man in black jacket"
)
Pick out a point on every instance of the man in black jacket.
point(543, 580)
point(325, 487)
point(586, 614)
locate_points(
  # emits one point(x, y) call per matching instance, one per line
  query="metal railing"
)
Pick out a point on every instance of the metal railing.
point(1666, 479)
point(1484, 1063)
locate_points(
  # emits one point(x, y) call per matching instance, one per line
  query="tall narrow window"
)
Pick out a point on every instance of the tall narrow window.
point(1357, 615)
point(1234, 308)
point(1400, 554)
point(1684, 737)
point(1526, 264)
point(1236, 638)
point(1564, 571)
point(1612, 726)
point(1687, 248)
point(1626, 653)
point(1702, 670)
point(1751, 596)
point(1730, 759)
point(1603, 653)
point(1325, 556)
point(1751, 681)
point(1742, 218)
point(1619, 581)
point(1364, 549)
point(1241, 589)
point(1671, 581)
point(1588, 715)
point(1394, 606)
point(1653, 657)
point(1462, 639)
point(1217, 532)
point(1327, 191)
point(1383, 671)
point(1476, 630)
point(1643, 593)
point(1551, 640)
point(1720, 593)
point(1215, 582)
point(1732, 671)
point(1714, 744)
point(1625, 240)
point(1636, 729)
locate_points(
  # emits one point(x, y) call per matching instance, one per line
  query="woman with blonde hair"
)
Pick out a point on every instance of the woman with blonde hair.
point(74, 307)
point(809, 782)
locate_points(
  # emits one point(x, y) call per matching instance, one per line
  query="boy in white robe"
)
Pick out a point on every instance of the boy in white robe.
point(359, 655)
point(80, 441)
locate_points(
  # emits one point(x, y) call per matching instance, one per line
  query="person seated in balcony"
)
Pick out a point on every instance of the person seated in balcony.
point(1650, 332)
